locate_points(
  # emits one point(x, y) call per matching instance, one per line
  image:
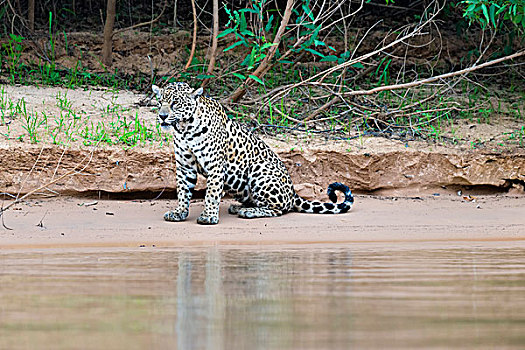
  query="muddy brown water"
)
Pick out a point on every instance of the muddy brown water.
point(337, 296)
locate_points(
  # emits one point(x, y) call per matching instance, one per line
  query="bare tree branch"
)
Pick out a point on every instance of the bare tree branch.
point(433, 79)
point(261, 69)
point(138, 25)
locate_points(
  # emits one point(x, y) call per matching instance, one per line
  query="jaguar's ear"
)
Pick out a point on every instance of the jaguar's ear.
point(197, 92)
point(157, 90)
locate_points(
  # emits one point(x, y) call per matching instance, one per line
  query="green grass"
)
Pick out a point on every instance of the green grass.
point(68, 125)
point(48, 73)
point(518, 136)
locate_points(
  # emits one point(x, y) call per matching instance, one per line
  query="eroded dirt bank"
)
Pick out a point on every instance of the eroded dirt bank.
point(116, 170)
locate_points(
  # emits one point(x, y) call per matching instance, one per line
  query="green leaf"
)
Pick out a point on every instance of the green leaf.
point(257, 79)
point(266, 45)
point(330, 58)
point(485, 12)
point(308, 25)
point(247, 60)
point(317, 53)
point(247, 32)
point(319, 43)
point(240, 42)
point(501, 9)
point(269, 24)
point(313, 36)
point(248, 10)
point(358, 65)
point(204, 76)
point(240, 76)
point(491, 13)
point(225, 32)
point(242, 21)
point(260, 57)
point(308, 12)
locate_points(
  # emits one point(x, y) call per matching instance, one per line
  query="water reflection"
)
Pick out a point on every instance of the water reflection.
point(368, 296)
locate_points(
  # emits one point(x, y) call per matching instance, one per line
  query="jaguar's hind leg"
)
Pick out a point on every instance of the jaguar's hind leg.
point(243, 198)
point(250, 213)
point(234, 209)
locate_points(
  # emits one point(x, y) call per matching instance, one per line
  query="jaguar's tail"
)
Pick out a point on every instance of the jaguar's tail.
point(305, 206)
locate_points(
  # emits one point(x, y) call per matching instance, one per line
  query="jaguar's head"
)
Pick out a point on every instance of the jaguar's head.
point(178, 103)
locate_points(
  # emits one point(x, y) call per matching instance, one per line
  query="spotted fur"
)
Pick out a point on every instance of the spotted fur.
point(234, 161)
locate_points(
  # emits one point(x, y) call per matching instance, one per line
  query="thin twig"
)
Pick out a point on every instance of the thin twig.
point(138, 25)
point(41, 223)
point(30, 170)
point(69, 173)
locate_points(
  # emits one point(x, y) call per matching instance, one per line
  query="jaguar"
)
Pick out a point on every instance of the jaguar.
point(232, 158)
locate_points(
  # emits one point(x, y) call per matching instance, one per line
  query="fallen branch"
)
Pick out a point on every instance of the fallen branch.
point(432, 79)
point(321, 109)
point(321, 75)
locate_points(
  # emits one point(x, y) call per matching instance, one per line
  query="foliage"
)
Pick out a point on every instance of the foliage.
point(256, 36)
point(495, 13)
point(255, 40)
point(325, 39)
point(10, 54)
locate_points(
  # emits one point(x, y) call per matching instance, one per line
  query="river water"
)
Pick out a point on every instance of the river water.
point(351, 296)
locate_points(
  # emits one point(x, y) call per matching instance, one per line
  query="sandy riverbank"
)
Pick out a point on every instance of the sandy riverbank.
point(68, 222)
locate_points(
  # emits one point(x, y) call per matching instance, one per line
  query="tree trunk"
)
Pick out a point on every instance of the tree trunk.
point(213, 51)
point(18, 7)
point(31, 14)
point(194, 41)
point(108, 33)
point(175, 14)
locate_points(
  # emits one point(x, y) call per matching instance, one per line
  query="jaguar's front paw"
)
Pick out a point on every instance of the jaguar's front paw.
point(175, 215)
point(207, 220)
